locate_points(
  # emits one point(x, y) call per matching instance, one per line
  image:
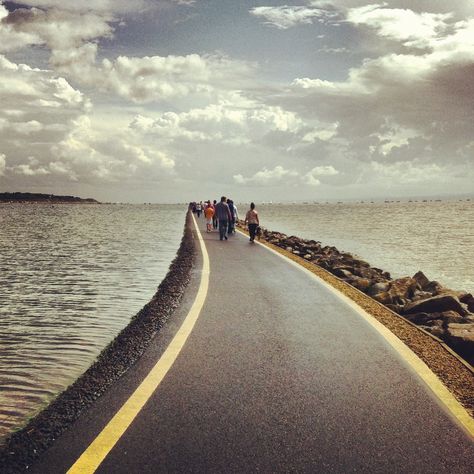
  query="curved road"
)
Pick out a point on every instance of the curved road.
point(278, 375)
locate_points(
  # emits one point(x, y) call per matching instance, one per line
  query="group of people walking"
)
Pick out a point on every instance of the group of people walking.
point(223, 215)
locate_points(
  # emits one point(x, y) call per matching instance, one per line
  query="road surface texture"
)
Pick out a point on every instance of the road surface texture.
point(278, 375)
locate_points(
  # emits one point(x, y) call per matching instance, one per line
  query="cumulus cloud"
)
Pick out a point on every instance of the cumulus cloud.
point(72, 32)
point(462, 7)
point(398, 106)
point(234, 120)
point(402, 114)
point(409, 172)
point(284, 17)
point(271, 177)
point(411, 28)
point(3, 163)
point(48, 132)
point(411, 17)
point(160, 78)
point(107, 6)
point(312, 176)
point(88, 153)
point(30, 169)
point(35, 98)
point(58, 29)
point(266, 177)
point(185, 2)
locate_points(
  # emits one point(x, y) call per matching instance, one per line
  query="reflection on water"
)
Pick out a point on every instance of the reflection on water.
point(71, 277)
point(400, 237)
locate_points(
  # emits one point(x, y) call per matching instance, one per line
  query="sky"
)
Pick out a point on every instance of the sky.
point(180, 100)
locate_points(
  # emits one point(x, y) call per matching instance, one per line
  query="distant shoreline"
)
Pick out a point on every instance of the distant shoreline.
point(18, 197)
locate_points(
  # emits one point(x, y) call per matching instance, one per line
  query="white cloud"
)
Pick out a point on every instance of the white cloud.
point(234, 120)
point(43, 117)
point(71, 33)
point(266, 177)
point(106, 6)
point(3, 163)
point(392, 136)
point(152, 78)
point(185, 2)
point(58, 29)
point(34, 102)
point(271, 177)
point(426, 97)
point(409, 172)
point(91, 151)
point(27, 128)
point(284, 17)
point(31, 168)
point(461, 7)
point(413, 29)
point(401, 19)
point(312, 177)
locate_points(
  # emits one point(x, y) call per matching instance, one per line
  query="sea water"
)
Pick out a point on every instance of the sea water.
point(436, 237)
point(71, 277)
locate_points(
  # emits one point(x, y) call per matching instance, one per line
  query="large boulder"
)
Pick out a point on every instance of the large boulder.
point(367, 272)
point(396, 308)
point(461, 338)
point(361, 284)
point(436, 304)
point(383, 297)
point(426, 319)
point(433, 287)
point(421, 295)
point(402, 289)
point(421, 279)
point(379, 287)
point(468, 299)
point(342, 273)
point(436, 329)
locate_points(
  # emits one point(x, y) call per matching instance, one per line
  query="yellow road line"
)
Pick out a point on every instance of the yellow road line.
point(93, 456)
point(454, 408)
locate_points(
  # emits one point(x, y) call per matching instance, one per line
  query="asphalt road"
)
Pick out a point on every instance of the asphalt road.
point(278, 375)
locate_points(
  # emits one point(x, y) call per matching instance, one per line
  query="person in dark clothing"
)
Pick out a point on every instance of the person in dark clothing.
point(231, 226)
point(223, 216)
point(214, 217)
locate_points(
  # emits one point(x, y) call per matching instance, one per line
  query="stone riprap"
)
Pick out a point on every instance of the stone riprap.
point(445, 313)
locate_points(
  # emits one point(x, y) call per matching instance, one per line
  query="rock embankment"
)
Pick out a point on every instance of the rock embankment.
point(445, 313)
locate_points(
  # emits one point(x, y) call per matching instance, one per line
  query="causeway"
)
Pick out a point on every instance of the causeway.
point(273, 373)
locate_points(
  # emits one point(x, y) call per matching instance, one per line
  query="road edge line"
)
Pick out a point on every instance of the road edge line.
point(442, 393)
point(104, 442)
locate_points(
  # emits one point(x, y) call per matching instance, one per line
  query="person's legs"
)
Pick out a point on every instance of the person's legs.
point(222, 229)
point(252, 229)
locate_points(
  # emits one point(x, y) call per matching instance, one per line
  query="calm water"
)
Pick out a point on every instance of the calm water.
point(402, 238)
point(71, 277)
